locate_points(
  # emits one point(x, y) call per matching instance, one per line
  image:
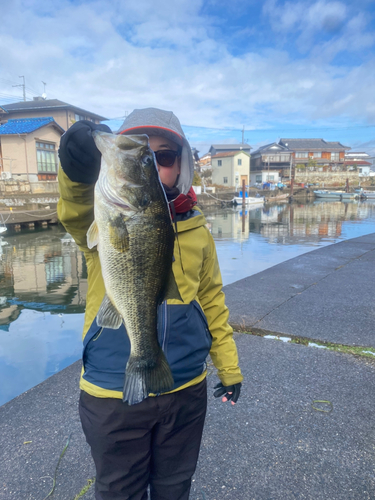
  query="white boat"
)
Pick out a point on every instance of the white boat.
point(249, 200)
point(370, 195)
point(336, 195)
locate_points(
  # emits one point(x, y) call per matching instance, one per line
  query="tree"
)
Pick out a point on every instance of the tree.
point(206, 174)
point(311, 164)
point(197, 181)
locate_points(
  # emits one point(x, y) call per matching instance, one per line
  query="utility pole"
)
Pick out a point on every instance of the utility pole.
point(292, 177)
point(24, 87)
point(44, 91)
point(243, 134)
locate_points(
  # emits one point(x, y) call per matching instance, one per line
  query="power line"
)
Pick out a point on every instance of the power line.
point(282, 129)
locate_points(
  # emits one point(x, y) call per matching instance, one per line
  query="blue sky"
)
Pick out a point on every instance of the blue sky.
point(279, 68)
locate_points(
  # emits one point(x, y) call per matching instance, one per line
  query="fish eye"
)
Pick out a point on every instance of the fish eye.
point(147, 159)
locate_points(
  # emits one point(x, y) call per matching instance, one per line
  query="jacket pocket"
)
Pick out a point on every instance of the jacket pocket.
point(105, 354)
point(188, 341)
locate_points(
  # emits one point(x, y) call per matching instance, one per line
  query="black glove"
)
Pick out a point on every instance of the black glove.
point(222, 390)
point(79, 156)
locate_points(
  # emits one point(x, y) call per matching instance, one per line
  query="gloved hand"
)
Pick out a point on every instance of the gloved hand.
point(230, 392)
point(79, 156)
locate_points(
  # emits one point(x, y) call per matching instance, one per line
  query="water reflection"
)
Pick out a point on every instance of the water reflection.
point(41, 270)
point(289, 224)
point(255, 239)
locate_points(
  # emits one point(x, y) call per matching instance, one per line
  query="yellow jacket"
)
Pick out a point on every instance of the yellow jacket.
point(187, 330)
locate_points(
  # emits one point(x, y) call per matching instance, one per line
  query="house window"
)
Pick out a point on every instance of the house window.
point(335, 156)
point(239, 161)
point(359, 170)
point(46, 157)
point(302, 155)
point(219, 163)
point(317, 154)
point(225, 179)
point(258, 178)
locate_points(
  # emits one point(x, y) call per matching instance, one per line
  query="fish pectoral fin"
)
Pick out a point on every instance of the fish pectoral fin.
point(92, 235)
point(172, 291)
point(118, 235)
point(108, 316)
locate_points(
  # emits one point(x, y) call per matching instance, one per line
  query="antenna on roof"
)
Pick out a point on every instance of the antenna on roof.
point(44, 95)
point(23, 86)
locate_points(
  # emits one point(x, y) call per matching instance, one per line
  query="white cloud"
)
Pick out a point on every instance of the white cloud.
point(112, 57)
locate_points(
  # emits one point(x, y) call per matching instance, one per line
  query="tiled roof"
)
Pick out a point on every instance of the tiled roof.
point(357, 162)
point(311, 144)
point(26, 125)
point(229, 153)
point(47, 104)
point(218, 147)
point(268, 148)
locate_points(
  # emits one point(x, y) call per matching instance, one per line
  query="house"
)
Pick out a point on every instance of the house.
point(364, 168)
point(316, 153)
point(230, 168)
point(274, 161)
point(227, 148)
point(270, 163)
point(205, 162)
point(360, 161)
point(28, 148)
point(63, 113)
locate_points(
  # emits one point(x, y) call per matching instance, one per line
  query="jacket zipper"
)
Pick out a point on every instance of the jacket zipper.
point(164, 324)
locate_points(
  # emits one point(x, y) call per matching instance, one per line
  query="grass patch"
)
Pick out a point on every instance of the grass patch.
point(356, 350)
point(299, 341)
point(85, 489)
point(366, 352)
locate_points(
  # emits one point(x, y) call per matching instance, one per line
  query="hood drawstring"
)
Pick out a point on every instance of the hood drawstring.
point(174, 219)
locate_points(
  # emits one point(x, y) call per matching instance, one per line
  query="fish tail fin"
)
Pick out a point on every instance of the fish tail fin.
point(145, 377)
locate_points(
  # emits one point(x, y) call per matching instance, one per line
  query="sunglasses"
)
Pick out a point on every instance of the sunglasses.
point(166, 157)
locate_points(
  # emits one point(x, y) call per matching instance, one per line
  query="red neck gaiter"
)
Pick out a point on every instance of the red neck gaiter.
point(182, 202)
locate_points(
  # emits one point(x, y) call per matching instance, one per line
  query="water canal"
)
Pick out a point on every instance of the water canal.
point(43, 276)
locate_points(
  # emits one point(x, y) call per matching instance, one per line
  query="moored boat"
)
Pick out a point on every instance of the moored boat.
point(249, 200)
point(336, 195)
point(370, 195)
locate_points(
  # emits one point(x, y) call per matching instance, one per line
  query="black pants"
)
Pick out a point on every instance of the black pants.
point(154, 443)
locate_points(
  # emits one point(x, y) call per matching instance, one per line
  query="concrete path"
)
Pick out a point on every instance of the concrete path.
point(326, 295)
point(273, 444)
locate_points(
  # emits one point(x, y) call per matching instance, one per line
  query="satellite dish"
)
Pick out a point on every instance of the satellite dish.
point(44, 95)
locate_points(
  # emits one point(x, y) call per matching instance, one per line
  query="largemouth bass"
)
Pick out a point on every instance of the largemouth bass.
point(135, 238)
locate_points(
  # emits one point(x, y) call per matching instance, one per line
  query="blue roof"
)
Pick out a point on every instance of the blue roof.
point(25, 125)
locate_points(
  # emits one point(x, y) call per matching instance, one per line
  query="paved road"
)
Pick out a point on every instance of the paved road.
point(273, 444)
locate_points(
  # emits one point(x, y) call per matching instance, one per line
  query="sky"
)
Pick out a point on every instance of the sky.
point(275, 68)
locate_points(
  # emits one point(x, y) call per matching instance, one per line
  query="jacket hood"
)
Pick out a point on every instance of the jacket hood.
point(153, 121)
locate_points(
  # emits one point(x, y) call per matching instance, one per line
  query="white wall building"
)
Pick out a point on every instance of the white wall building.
point(230, 169)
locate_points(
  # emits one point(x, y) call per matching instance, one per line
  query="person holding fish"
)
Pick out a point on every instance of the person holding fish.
point(155, 308)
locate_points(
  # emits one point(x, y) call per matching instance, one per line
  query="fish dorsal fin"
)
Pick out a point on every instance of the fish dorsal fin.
point(108, 316)
point(92, 235)
point(172, 291)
